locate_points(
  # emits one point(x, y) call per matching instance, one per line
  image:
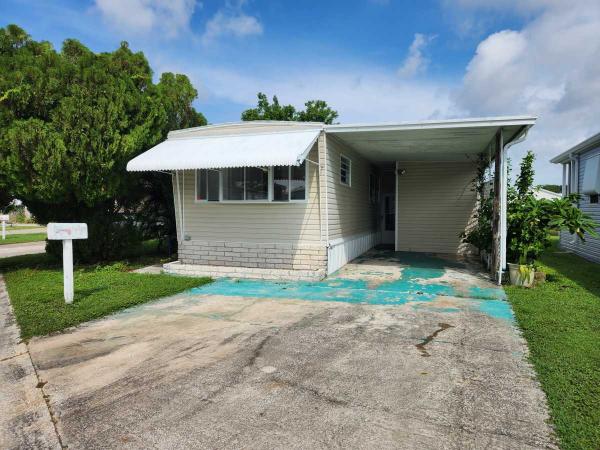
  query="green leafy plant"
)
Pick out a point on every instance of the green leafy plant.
point(529, 220)
point(70, 120)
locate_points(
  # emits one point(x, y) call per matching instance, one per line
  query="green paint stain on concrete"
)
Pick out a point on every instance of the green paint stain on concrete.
point(419, 282)
point(498, 309)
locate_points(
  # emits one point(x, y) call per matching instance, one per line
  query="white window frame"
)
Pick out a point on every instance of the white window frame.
point(349, 173)
point(269, 199)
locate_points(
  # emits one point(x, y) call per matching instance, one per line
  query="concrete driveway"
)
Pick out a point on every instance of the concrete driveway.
point(394, 351)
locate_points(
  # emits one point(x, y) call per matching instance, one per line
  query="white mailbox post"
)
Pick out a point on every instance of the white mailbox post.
point(3, 219)
point(66, 232)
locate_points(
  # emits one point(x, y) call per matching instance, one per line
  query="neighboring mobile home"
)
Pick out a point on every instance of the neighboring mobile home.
point(294, 200)
point(581, 174)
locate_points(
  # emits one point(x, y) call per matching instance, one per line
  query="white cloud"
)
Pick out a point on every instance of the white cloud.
point(550, 68)
point(231, 21)
point(416, 62)
point(233, 24)
point(169, 17)
point(359, 94)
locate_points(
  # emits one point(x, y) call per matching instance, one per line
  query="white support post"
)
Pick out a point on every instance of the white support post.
point(503, 206)
point(564, 180)
point(68, 270)
point(4, 218)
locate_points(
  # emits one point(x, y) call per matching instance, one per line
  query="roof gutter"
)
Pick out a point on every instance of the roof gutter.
point(583, 146)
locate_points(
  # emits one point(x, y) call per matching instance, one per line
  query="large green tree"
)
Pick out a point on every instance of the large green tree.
point(69, 123)
point(315, 111)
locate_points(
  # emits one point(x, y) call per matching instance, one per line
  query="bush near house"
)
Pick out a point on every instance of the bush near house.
point(530, 221)
point(70, 120)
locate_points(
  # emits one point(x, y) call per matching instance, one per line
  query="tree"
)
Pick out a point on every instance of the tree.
point(69, 123)
point(525, 178)
point(316, 111)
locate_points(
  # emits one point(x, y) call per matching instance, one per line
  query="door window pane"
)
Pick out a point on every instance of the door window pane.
point(257, 183)
point(233, 184)
point(298, 182)
point(281, 180)
point(212, 185)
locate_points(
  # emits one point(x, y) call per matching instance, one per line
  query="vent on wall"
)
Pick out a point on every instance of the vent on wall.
point(591, 176)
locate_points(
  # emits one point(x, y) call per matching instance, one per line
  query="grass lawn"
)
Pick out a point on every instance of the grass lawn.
point(23, 227)
point(561, 323)
point(22, 238)
point(35, 287)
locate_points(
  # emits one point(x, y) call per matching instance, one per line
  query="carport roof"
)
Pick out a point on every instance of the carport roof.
point(445, 140)
point(221, 146)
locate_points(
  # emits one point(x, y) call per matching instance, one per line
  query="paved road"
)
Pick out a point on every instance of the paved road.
point(381, 356)
point(22, 249)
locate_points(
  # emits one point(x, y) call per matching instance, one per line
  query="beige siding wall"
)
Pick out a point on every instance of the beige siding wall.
point(350, 209)
point(289, 223)
point(435, 203)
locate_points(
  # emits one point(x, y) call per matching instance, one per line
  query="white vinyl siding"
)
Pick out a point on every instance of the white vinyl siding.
point(351, 212)
point(279, 222)
point(590, 249)
point(435, 203)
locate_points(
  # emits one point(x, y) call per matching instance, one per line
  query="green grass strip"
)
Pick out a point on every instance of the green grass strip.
point(560, 320)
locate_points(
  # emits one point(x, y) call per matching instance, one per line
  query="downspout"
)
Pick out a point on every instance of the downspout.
point(326, 174)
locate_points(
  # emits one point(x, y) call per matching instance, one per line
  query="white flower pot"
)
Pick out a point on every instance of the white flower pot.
point(517, 278)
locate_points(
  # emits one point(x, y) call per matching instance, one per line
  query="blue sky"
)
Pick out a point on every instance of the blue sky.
point(372, 60)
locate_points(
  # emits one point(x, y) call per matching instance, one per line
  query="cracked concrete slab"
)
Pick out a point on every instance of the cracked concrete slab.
point(25, 421)
point(387, 353)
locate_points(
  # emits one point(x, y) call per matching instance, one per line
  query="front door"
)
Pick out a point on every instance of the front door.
point(388, 224)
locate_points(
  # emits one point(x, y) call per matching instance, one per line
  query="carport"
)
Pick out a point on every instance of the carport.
point(431, 161)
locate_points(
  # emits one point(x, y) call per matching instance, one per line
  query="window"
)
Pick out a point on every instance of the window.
point(281, 183)
point(246, 183)
point(207, 185)
point(373, 188)
point(345, 170)
point(298, 182)
point(252, 184)
point(289, 183)
point(257, 183)
point(594, 198)
point(233, 184)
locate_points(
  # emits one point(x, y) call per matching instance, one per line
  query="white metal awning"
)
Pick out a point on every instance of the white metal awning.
point(288, 148)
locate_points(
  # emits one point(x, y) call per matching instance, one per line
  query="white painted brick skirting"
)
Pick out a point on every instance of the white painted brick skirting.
point(343, 250)
point(263, 255)
point(177, 268)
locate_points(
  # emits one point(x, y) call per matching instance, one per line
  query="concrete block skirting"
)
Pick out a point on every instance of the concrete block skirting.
point(254, 255)
point(178, 268)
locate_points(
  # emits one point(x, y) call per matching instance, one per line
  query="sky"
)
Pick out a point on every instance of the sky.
point(371, 60)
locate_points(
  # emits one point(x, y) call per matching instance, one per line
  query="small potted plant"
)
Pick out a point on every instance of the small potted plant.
point(523, 273)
